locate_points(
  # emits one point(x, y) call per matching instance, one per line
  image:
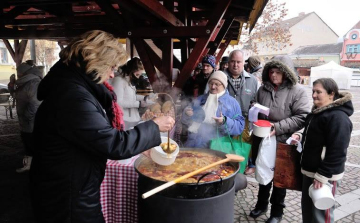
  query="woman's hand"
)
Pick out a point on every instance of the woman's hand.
point(317, 184)
point(165, 123)
point(272, 133)
point(146, 153)
point(189, 111)
point(295, 137)
point(219, 120)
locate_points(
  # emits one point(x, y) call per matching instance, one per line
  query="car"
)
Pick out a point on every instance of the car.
point(3, 88)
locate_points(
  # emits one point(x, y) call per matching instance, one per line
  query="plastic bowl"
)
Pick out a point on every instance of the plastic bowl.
point(322, 198)
point(162, 158)
point(261, 128)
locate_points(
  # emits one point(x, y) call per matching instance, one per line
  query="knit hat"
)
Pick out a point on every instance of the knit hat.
point(224, 59)
point(220, 76)
point(23, 67)
point(253, 62)
point(210, 59)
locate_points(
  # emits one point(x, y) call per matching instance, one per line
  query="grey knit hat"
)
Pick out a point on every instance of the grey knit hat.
point(22, 68)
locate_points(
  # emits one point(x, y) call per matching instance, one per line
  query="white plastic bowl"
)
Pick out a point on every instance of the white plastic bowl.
point(162, 158)
point(261, 131)
point(322, 198)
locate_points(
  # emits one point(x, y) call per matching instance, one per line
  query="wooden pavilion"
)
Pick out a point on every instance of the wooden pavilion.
point(196, 27)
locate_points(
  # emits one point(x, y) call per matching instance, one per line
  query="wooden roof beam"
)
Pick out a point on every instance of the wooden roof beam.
point(16, 11)
point(224, 29)
point(158, 10)
point(146, 59)
point(201, 44)
point(59, 21)
point(106, 6)
point(131, 10)
point(222, 49)
point(9, 48)
point(145, 33)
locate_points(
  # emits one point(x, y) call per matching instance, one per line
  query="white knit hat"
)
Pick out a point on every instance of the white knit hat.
point(220, 76)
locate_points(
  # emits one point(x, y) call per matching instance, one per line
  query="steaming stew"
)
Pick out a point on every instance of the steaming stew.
point(186, 162)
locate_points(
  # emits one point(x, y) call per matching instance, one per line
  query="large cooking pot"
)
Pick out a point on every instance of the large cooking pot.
point(189, 190)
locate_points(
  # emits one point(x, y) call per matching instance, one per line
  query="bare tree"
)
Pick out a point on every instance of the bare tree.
point(269, 32)
point(45, 53)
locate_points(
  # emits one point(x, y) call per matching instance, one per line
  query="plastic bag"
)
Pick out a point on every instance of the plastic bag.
point(231, 145)
point(265, 161)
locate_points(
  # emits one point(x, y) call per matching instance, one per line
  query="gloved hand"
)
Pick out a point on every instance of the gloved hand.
point(143, 104)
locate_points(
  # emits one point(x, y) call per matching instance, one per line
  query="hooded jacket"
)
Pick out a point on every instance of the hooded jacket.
point(26, 101)
point(74, 138)
point(326, 139)
point(288, 104)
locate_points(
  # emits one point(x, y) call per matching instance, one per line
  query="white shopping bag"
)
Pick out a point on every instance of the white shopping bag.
point(265, 161)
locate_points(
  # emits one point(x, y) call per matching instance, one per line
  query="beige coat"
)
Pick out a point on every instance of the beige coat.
point(289, 105)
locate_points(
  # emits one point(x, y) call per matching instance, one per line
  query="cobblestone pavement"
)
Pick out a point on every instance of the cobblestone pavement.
point(17, 206)
point(348, 195)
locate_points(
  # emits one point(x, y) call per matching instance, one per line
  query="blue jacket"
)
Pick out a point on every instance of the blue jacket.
point(229, 108)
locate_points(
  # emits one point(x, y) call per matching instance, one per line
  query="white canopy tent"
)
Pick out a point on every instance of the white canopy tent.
point(341, 75)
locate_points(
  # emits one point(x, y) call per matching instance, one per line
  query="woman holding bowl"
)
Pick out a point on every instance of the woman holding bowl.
point(288, 104)
point(326, 139)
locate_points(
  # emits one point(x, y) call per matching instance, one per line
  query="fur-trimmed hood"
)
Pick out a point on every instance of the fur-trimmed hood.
point(284, 65)
point(343, 103)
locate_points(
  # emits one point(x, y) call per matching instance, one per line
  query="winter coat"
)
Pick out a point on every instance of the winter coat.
point(127, 98)
point(288, 105)
point(74, 138)
point(247, 91)
point(26, 100)
point(229, 108)
point(326, 139)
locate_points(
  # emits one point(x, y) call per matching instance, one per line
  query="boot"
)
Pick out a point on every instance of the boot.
point(26, 163)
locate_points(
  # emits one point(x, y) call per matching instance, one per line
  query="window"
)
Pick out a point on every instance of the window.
point(353, 48)
point(353, 36)
point(3, 56)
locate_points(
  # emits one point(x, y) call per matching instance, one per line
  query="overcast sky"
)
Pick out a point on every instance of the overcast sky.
point(339, 15)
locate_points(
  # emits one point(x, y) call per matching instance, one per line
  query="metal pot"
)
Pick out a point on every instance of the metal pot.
point(189, 190)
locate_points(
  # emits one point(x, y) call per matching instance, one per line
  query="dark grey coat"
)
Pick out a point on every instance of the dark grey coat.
point(288, 105)
point(26, 101)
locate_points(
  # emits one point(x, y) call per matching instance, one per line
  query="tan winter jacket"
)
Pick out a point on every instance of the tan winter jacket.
point(289, 105)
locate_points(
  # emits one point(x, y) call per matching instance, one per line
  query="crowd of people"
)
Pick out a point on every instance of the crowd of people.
point(69, 135)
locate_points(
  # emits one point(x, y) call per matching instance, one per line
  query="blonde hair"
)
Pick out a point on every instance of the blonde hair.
point(98, 50)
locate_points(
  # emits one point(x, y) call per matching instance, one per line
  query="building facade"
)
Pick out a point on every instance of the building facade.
point(305, 29)
point(350, 54)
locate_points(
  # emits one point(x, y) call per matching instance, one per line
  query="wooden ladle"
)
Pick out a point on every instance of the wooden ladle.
point(229, 157)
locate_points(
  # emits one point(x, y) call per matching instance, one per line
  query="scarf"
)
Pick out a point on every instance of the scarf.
point(116, 111)
point(211, 106)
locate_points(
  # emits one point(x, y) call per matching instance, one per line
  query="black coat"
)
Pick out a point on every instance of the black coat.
point(74, 139)
point(327, 129)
